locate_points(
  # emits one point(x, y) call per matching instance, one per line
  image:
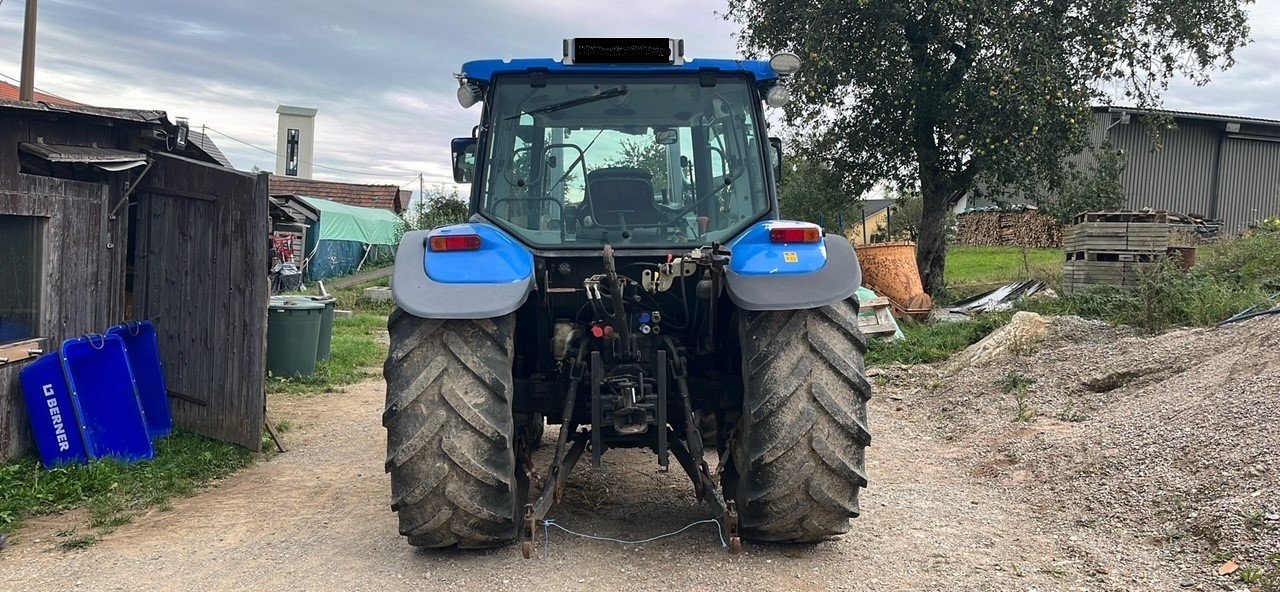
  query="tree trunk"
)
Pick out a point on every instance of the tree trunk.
point(931, 249)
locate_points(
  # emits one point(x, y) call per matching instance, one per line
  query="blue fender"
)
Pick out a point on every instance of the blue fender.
point(484, 283)
point(763, 275)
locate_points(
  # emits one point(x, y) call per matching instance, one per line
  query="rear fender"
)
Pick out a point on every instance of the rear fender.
point(487, 282)
point(763, 275)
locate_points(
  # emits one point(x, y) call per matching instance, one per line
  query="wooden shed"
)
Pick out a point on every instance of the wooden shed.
point(109, 215)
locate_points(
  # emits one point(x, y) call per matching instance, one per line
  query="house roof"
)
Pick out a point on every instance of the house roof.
point(11, 92)
point(873, 206)
point(52, 103)
point(385, 197)
point(205, 143)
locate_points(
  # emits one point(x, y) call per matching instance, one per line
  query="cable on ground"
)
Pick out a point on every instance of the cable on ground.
point(548, 524)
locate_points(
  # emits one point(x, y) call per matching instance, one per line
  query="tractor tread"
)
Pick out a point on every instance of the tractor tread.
point(450, 430)
point(799, 460)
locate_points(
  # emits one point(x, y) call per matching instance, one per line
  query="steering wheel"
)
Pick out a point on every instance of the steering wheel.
point(680, 213)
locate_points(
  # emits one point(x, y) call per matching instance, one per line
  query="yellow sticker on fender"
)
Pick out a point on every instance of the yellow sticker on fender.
point(790, 257)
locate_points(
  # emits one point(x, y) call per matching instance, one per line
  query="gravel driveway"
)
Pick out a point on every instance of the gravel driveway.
point(318, 518)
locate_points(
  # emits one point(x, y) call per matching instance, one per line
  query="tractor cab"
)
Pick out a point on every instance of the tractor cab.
point(651, 152)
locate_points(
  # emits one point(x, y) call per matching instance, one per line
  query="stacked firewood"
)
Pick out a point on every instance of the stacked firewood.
point(1024, 228)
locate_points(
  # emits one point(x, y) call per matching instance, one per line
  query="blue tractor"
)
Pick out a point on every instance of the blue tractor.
point(624, 274)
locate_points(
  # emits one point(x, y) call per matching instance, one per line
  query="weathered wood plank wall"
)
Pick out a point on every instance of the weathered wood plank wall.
point(84, 253)
point(200, 276)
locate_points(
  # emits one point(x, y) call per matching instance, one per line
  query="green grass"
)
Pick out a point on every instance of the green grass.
point(973, 270)
point(114, 492)
point(355, 355)
point(929, 343)
point(356, 352)
point(1229, 277)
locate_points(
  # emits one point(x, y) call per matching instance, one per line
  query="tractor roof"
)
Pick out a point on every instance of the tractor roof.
point(484, 71)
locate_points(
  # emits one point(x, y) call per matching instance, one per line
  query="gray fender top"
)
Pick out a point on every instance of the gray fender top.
point(836, 281)
point(421, 296)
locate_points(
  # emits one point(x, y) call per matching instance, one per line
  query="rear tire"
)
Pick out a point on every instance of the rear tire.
point(798, 458)
point(450, 446)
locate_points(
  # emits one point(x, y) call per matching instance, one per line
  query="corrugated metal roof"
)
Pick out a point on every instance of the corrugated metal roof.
point(1188, 115)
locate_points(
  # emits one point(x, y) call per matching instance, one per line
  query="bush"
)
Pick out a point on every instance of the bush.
point(1253, 259)
point(1231, 276)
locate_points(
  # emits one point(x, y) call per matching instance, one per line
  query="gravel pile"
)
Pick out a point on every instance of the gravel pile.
point(1170, 441)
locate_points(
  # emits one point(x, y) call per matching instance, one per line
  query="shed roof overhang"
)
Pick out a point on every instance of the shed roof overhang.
point(107, 159)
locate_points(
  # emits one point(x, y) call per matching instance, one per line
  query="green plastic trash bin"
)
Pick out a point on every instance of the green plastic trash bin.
point(293, 334)
point(326, 326)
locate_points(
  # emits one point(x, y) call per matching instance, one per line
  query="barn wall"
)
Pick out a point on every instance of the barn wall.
point(83, 259)
point(1178, 177)
point(200, 275)
point(1250, 186)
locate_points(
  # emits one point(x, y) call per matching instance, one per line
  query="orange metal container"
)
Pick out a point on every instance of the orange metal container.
point(890, 269)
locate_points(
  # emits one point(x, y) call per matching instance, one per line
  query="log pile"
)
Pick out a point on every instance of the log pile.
point(1019, 228)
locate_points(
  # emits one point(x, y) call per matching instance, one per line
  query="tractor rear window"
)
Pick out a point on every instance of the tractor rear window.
point(631, 162)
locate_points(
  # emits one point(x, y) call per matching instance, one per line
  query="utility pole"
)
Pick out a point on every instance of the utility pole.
point(26, 86)
point(421, 197)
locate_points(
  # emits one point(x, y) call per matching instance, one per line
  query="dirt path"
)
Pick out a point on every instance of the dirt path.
point(318, 518)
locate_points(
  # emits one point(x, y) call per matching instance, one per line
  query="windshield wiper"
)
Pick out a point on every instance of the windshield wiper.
point(604, 94)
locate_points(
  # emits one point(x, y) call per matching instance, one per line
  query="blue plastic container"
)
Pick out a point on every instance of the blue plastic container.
point(53, 417)
point(148, 373)
point(106, 398)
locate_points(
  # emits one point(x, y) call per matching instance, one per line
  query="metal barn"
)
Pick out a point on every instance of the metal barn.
point(1215, 166)
point(1218, 166)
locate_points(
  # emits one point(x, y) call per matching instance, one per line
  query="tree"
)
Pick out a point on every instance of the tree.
point(806, 192)
point(1093, 188)
point(644, 155)
point(436, 208)
point(946, 96)
point(904, 218)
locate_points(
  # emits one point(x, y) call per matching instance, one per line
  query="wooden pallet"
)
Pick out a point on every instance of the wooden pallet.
point(875, 318)
point(1082, 275)
point(1115, 248)
point(1117, 237)
point(1112, 256)
point(1148, 217)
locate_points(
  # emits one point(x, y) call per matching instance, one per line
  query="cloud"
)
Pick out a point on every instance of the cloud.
point(380, 73)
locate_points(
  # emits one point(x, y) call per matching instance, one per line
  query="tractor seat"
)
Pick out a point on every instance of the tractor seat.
point(625, 191)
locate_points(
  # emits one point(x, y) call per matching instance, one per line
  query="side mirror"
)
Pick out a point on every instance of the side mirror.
point(775, 154)
point(464, 159)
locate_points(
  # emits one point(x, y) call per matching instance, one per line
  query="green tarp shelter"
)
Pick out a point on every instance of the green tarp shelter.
point(370, 226)
point(347, 237)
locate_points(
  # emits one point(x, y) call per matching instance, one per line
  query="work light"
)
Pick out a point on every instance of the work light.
point(777, 96)
point(468, 95)
point(785, 63)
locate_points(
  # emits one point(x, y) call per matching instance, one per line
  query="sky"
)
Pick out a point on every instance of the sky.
point(380, 73)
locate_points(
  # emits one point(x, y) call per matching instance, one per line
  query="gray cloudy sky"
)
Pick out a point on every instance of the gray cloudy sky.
point(380, 72)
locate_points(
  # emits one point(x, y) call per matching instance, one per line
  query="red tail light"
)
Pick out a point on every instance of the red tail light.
point(454, 242)
point(801, 234)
